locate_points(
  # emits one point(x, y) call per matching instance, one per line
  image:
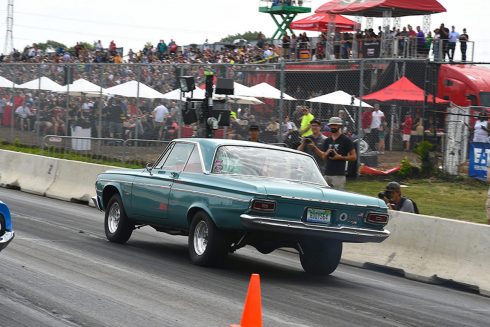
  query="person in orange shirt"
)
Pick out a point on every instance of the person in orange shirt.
point(117, 59)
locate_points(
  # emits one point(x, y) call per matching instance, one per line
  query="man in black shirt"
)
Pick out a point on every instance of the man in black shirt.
point(318, 139)
point(463, 38)
point(338, 149)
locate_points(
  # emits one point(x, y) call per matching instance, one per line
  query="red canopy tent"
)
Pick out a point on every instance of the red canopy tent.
point(402, 90)
point(375, 8)
point(319, 22)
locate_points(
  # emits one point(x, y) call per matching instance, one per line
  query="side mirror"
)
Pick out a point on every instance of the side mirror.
point(149, 167)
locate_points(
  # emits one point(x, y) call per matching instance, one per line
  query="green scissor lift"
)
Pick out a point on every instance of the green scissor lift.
point(283, 12)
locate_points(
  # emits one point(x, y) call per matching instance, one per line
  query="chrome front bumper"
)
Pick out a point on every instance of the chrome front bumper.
point(342, 233)
point(5, 239)
point(95, 200)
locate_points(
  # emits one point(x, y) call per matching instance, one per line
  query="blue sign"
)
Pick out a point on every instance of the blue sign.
point(479, 160)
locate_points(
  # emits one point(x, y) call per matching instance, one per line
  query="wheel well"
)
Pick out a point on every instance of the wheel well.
point(107, 194)
point(191, 213)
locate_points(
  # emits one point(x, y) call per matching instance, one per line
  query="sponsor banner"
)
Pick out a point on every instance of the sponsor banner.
point(479, 157)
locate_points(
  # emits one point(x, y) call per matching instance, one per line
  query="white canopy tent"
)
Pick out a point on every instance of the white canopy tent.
point(132, 90)
point(238, 99)
point(6, 82)
point(265, 90)
point(240, 89)
point(340, 98)
point(175, 94)
point(83, 87)
point(200, 93)
point(42, 83)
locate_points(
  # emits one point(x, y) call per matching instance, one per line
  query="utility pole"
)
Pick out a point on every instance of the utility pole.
point(9, 38)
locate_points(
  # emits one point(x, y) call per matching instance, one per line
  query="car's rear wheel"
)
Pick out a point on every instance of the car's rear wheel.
point(117, 226)
point(320, 257)
point(208, 246)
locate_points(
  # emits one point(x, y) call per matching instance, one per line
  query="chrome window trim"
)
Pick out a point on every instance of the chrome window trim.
point(168, 148)
point(187, 159)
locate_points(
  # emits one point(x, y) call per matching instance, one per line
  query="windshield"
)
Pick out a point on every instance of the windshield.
point(485, 99)
point(263, 162)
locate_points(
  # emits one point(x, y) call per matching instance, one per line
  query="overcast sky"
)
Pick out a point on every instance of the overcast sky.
point(132, 23)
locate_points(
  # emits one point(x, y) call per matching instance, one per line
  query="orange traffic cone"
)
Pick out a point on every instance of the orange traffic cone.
point(252, 312)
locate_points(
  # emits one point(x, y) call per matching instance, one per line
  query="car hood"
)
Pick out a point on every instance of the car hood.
point(291, 190)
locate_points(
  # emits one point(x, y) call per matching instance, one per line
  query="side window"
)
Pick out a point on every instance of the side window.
point(164, 157)
point(178, 157)
point(194, 163)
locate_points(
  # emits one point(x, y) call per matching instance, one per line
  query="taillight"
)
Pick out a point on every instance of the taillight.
point(377, 218)
point(263, 205)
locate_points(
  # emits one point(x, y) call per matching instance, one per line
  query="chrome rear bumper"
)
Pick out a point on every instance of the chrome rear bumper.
point(5, 239)
point(342, 233)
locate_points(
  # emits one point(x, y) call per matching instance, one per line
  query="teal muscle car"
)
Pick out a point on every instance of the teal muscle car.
point(225, 194)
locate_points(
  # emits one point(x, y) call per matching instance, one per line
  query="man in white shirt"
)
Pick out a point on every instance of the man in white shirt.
point(453, 38)
point(160, 113)
point(377, 118)
point(24, 113)
point(481, 129)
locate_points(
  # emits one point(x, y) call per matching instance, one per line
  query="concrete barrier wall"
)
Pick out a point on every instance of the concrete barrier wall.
point(429, 249)
point(75, 181)
point(425, 248)
point(57, 178)
point(31, 173)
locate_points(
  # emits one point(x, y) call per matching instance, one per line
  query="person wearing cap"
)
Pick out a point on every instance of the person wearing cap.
point(337, 150)
point(254, 133)
point(394, 199)
point(316, 138)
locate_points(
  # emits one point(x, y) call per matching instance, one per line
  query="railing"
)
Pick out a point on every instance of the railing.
point(398, 47)
point(131, 152)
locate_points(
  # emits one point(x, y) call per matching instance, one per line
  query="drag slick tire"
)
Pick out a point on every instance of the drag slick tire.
point(208, 245)
point(118, 228)
point(320, 257)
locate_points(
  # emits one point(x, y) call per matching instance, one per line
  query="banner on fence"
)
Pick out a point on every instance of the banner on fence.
point(479, 156)
point(371, 49)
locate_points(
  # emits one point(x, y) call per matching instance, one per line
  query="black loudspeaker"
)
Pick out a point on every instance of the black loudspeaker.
point(189, 113)
point(224, 86)
point(187, 83)
point(221, 113)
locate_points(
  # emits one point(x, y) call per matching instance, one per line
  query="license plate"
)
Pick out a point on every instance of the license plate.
point(318, 216)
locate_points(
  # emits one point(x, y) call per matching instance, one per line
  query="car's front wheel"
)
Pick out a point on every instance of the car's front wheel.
point(320, 257)
point(117, 226)
point(208, 246)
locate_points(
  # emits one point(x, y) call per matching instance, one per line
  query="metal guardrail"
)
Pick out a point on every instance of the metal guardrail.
point(130, 151)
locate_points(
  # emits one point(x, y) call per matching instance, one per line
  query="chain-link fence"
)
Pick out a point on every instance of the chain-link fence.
point(30, 112)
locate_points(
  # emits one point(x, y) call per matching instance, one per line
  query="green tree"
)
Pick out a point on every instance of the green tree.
point(85, 45)
point(249, 36)
point(50, 44)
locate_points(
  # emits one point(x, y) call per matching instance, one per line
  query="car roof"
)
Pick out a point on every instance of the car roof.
point(209, 146)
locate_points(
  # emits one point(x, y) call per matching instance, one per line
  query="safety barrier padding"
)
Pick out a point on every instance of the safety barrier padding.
point(430, 249)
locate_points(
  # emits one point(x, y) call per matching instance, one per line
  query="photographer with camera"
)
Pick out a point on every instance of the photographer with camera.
point(317, 139)
point(336, 151)
point(392, 195)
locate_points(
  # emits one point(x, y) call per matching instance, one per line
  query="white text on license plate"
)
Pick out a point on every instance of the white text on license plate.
point(318, 215)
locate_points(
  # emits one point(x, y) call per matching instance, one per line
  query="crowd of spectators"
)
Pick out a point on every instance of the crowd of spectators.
point(162, 52)
point(407, 42)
